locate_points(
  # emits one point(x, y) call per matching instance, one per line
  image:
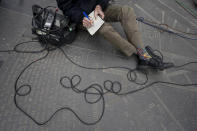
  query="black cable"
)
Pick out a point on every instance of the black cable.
point(96, 87)
point(159, 26)
point(186, 64)
point(108, 86)
point(15, 49)
point(23, 51)
point(114, 87)
point(130, 71)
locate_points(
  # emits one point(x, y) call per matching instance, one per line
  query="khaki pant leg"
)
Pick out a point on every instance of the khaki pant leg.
point(127, 17)
point(108, 32)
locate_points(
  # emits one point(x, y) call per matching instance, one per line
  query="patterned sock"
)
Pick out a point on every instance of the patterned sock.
point(143, 54)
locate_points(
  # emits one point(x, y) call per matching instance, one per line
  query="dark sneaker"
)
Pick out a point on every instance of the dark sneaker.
point(154, 64)
point(152, 54)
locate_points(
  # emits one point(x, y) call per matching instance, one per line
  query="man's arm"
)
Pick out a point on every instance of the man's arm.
point(98, 11)
point(75, 13)
point(71, 10)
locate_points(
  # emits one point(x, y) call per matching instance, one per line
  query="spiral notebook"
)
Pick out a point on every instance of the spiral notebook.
point(98, 22)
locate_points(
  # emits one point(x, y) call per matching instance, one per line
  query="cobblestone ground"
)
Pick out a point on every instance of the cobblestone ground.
point(159, 108)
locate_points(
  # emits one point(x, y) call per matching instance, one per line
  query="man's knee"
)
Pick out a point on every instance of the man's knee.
point(106, 27)
point(127, 11)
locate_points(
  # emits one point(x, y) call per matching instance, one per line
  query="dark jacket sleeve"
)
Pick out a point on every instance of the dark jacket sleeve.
point(75, 14)
point(71, 10)
point(103, 3)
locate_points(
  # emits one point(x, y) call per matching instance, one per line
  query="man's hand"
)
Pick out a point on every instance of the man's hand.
point(87, 23)
point(98, 12)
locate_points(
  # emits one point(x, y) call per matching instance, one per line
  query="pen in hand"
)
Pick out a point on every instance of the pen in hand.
point(87, 22)
point(84, 13)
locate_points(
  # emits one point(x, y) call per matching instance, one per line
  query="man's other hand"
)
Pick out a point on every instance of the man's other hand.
point(87, 23)
point(98, 12)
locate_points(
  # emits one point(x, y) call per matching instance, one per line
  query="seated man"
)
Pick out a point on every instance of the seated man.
point(114, 13)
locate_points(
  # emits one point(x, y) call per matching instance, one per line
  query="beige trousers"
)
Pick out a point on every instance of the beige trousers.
point(126, 16)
